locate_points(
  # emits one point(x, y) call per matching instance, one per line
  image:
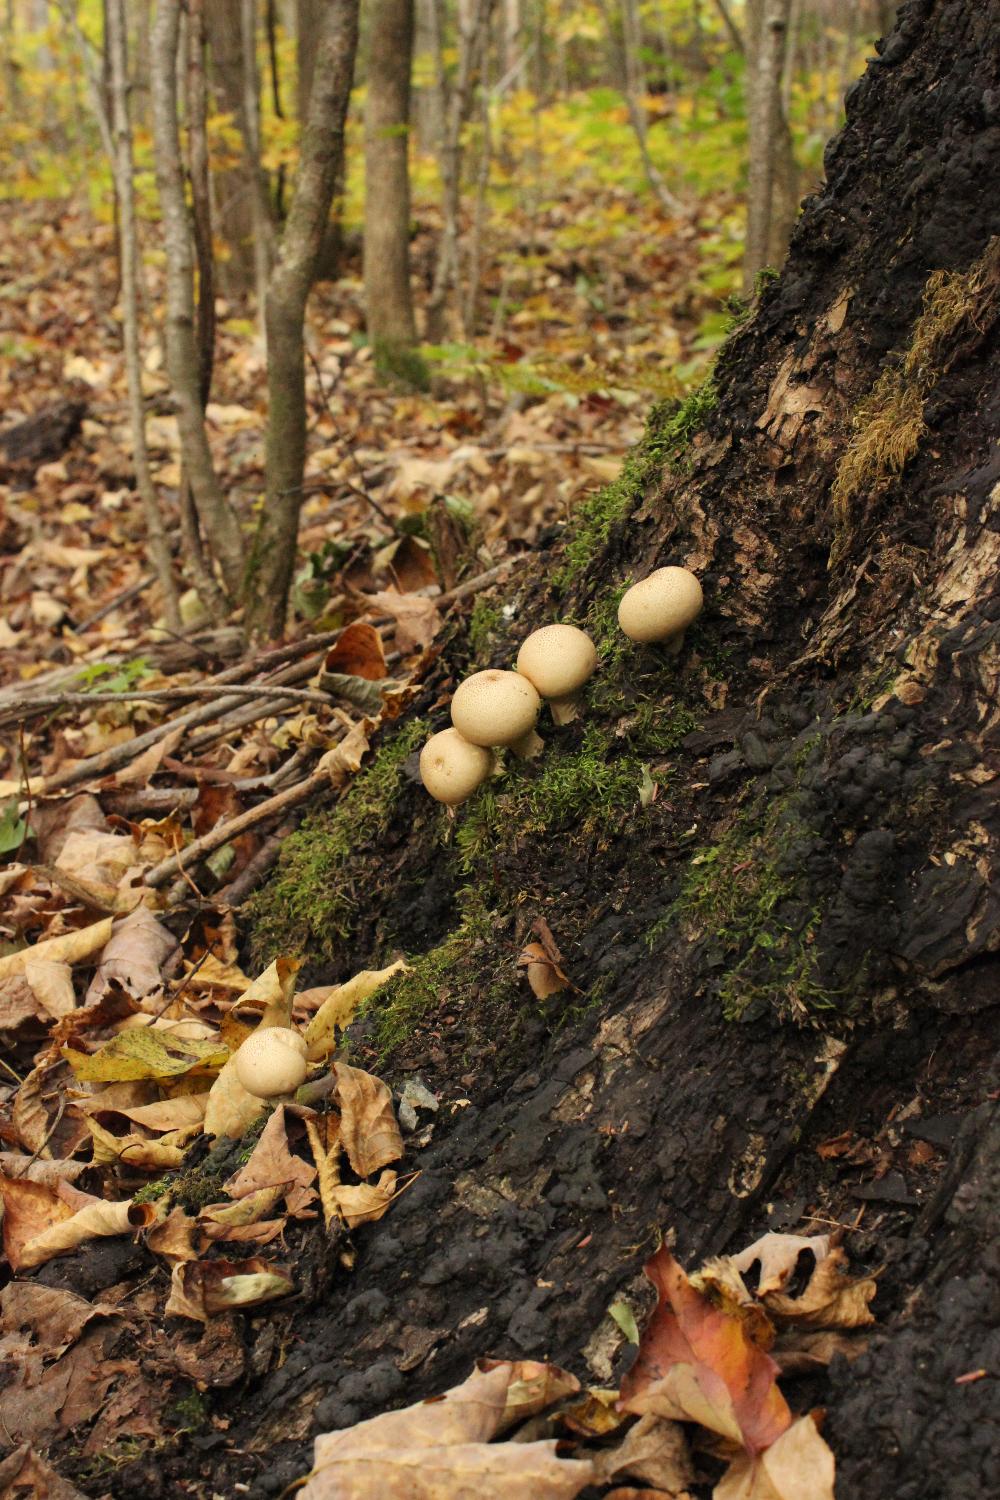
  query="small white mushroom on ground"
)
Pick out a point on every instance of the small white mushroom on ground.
point(451, 769)
point(272, 1062)
point(558, 660)
point(661, 607)
point(498, 708)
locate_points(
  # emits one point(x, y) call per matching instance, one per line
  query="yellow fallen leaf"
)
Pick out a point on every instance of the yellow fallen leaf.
point(145, 1052)
point(67, 948)
point(339, 1007)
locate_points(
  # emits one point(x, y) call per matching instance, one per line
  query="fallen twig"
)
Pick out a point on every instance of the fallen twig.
point(223, 833)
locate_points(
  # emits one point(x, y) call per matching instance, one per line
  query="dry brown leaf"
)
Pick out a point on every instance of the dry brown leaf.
point(654, 1450)
point(201, 1288)
point(138, 772)
point(96, 1220)
point(696, 1363)
point(183, 1112)
point(67, 948)
point(358, 653)
point(243, 1221)
point(778, 1256)
point(97, 857)
point(324, 1138)
point(272, 1164)
point(364, 1202)
point(230, 1110)
point(18, 1003)
point(545, 977)
point(368, 1128)
point(163, 1155)
point(442, 1450)
point(29, 1169)
point(24, 1472)
point(173, 1236)
point(30, 1210)
point(802, 1353)
point(830, 1300)
point(797, 1466)
point(217, 1358)
point(344, 760)
point(51, 984)
point(340, 1005)
point(54, 1317)
point(134, 955)
point(417, 619)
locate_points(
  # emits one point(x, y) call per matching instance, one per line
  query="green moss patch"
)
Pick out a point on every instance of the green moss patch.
point(310, 903)
point(669, 431)
point(740, 899)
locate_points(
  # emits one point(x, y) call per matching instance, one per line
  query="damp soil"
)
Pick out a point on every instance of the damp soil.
point(785, 964)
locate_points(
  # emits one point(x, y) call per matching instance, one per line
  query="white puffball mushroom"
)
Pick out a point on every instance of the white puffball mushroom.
point(661, 607)
point(272, 1062)
point(451, 769)
point(498, 708)
point(558, 660)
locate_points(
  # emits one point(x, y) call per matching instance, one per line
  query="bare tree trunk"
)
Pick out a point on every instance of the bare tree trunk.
point(473, 19)
point(273, 557)
point(215, 515)
point(767, 23)
point(307, 19)
point(260, 205)
point(634, 90)
point(197, 111)
point(122, 166)
point(426, 106)
point(392, 329)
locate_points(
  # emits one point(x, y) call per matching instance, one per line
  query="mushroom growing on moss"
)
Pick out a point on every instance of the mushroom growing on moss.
point(272, 1062)
point(661, 607)
point(498, 708)
point(451, 769)
point(558, 660)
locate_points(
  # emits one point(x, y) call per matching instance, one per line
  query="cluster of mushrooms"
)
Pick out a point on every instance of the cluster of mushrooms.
point(498, 710)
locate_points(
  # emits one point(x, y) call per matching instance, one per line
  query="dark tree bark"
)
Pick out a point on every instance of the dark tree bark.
point(273, 557)
point(392, 328)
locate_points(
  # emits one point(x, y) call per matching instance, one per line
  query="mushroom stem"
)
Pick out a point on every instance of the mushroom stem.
point(673, 645)
point(528, 746)
point(565, 710)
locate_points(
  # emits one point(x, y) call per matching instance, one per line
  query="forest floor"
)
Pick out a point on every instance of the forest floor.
point(552, 1141)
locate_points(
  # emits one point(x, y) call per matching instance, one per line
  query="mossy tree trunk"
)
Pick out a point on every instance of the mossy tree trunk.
point(796, 943)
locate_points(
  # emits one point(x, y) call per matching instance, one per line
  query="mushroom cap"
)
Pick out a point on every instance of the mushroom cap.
point(495, 708)
point(272, 1061)
point(451, 768)
point(661, 605)
point(557, 660)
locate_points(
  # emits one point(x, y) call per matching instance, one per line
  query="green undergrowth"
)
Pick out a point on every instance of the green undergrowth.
point(669, 430)
point(313, 898)
point(740, 898)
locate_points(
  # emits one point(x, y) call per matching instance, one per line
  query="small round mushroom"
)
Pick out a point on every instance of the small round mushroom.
point(498, 708)
point(661, 607)
point(558, 660)
point(272, 1062)
point(451, 769)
